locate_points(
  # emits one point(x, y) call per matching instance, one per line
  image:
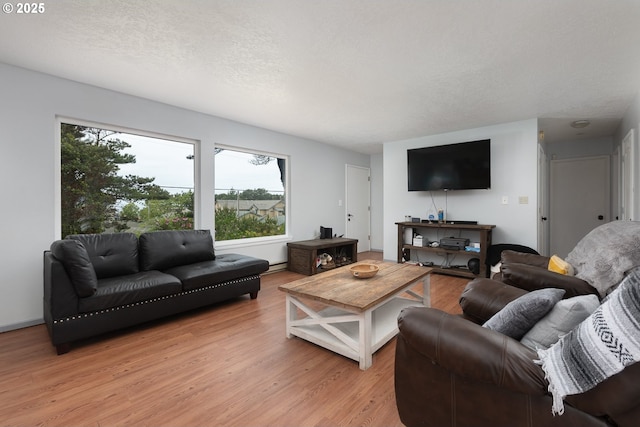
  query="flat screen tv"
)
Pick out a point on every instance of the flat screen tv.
point(462, 166)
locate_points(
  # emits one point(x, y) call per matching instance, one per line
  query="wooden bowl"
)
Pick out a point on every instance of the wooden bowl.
point(364, 271)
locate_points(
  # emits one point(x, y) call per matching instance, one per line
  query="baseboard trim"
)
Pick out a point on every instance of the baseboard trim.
point(21, 325)
point(274, 268)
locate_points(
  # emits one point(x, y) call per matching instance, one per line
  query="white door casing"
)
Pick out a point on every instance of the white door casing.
point(616, 184)
point(543, 205)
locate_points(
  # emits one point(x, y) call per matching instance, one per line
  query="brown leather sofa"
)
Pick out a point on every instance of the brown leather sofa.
point(450, 371)
point(530, 272)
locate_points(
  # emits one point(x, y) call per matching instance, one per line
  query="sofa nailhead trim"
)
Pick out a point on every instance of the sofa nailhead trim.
point(108, 310)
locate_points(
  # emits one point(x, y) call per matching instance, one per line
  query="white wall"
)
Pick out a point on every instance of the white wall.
point(29, 105)
point(377, 202)
point(514, 165)
point(581, 148)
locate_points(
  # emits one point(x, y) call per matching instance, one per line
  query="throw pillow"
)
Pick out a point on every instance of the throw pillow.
point(75, 259)
point(563, 317)
point(558, 265)
point(601, 346)
point(516, 318)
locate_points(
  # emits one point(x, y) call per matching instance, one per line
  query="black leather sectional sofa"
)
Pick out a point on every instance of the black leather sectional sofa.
point(97, 283)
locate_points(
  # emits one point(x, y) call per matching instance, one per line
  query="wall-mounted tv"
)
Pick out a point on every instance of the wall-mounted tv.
point(461, 166)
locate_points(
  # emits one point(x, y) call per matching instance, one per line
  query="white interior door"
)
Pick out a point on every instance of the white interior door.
point(579, 200)
point(357, 206)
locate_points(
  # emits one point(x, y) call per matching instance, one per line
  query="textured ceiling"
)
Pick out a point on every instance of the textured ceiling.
point(346, 72)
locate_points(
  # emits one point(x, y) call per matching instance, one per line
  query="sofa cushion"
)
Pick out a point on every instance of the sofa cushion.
point(563, 317)
point(130, 289)
point(517, 317)
point(160, 250)
point(77, 264)
point(225, 267)
point(112, 254)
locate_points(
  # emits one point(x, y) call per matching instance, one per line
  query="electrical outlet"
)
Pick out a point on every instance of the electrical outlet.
point(505, 200)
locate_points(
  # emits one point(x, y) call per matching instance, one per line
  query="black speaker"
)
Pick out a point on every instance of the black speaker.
point(326, 232)
point(474, 265)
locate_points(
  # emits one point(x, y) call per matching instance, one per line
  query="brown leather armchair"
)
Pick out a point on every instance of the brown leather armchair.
point(530, 272)
point(450, 371)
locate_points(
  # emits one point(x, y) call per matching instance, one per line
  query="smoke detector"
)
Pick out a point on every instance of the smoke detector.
point(579, 124)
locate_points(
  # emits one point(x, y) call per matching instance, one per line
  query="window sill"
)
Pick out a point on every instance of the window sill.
point(254, 241)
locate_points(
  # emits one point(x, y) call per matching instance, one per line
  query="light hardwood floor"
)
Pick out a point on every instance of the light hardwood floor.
point(228, 365)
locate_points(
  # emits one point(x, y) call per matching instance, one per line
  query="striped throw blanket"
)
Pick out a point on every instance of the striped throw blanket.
point(601, 346)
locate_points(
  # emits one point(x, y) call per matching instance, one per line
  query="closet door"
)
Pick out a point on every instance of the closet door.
point(579, 200)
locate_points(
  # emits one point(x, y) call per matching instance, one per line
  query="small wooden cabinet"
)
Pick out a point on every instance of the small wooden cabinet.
point(302, 256)
point(477, 232)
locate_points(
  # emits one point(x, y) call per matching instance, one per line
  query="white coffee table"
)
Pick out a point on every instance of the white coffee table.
point(354, 317)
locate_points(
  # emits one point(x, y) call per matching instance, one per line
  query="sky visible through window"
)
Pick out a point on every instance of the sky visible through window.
point(234, 171)
point(171, 163)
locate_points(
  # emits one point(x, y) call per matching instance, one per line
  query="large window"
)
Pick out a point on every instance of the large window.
point(114, 181)
point(250, 194)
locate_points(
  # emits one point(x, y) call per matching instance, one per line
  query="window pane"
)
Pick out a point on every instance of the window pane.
point(114, 182)
point(249, 194)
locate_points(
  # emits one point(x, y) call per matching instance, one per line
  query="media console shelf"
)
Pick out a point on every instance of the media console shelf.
point(302, 255)
point(475, 232)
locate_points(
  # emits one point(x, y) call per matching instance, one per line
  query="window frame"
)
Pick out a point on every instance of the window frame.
point(263, 240)
point(197, 200)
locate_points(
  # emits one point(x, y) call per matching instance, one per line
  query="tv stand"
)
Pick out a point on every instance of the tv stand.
point(481, 233)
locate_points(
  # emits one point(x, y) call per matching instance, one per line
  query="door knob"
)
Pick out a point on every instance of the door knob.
point(600, 217)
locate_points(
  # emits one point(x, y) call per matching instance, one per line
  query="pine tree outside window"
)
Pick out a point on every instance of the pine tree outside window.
point(117, 181)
